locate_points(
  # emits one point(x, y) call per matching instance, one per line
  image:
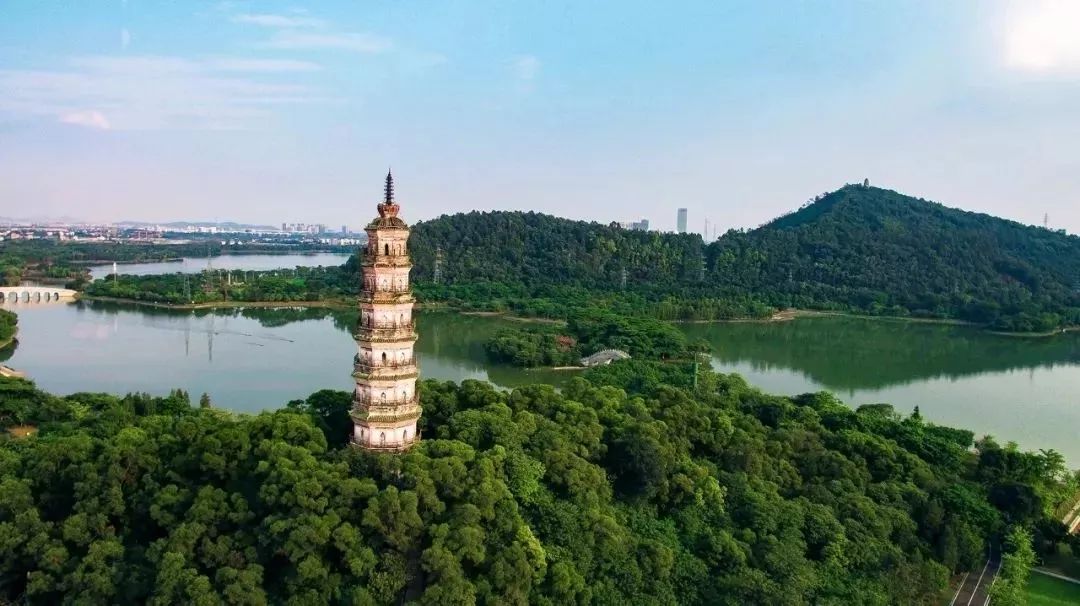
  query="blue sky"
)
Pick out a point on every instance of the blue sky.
point(739, 111)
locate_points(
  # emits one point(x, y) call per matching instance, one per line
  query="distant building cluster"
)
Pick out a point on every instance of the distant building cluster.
point(342, 241)
point(177, 233)
point(303, 228)
point(73, 233)
point(642, 225)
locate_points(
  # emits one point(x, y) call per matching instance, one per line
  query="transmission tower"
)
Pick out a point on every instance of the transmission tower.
point(438, 265)
point(623, 279)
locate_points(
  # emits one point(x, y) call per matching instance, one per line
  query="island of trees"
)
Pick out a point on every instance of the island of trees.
point(631, 485)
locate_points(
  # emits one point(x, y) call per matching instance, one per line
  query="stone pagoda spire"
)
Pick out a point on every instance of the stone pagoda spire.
point(385, 404)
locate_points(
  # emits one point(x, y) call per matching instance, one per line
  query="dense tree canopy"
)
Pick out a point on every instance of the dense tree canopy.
point(612, 491)
point(589, 330)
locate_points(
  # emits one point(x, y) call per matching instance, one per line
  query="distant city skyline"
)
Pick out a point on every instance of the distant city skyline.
point(162, 111)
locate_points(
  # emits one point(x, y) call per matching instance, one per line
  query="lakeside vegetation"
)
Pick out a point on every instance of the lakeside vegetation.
point(8, 326)
point(612, 490)
point(287, 285)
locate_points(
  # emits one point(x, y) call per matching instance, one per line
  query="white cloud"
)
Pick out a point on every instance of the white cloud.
point(346, 41)
point(1043, 36)
point(152, 92)
point(526, 67)
point(299, 31)
point(278, 21)
point(87, 118)
point(125, 38)
point(227, 64)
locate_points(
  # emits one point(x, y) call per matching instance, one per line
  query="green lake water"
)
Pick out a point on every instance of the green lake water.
point(1027, 390)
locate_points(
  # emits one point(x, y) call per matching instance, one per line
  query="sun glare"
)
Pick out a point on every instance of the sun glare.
point(1044, 36)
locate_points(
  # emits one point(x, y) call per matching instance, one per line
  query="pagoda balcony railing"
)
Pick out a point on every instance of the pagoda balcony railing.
point(366, 365)
point(388, 446)
point(371, 325)
point(388, 403)
point(375, 289)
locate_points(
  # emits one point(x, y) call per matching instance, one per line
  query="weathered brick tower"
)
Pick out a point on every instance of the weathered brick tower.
point(385, 403)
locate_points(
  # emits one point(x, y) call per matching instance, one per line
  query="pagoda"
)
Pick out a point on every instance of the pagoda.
point(385, 403)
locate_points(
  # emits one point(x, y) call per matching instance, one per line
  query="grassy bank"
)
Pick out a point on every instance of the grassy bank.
point(334, 304)
point(1044, 590)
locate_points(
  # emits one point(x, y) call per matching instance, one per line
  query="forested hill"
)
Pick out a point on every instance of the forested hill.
point(884, 252)
point(859, 249)
point(533, 248)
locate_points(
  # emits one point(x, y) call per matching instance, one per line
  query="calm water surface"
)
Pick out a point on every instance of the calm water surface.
point(246, 359)
point(1027, 390)
point(191, 265)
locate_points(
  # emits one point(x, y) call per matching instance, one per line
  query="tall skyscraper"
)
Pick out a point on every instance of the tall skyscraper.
point(680, 221)
point(385, 404)
point(344, 229)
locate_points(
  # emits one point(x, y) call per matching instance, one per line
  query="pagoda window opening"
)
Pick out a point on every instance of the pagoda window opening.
point(382, 438)
point(384, 357)
point(386, 249)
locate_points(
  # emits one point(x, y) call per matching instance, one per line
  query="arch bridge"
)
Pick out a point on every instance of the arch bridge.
point(34, 294)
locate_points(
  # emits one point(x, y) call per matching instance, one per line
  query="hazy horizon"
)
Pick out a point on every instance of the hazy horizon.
point(266, 113)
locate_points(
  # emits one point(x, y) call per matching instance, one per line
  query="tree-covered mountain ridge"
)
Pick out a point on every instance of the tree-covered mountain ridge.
point(861, 249)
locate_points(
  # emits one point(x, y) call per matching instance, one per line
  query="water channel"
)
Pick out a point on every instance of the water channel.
point(190, 265)
point(1027, 390)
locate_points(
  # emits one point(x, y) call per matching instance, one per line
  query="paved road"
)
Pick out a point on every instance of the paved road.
point(975, 588)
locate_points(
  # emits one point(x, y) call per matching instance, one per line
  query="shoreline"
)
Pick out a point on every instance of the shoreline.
point(334, 304)
point(104, 262)
point(225, 253)
point(1036, 335)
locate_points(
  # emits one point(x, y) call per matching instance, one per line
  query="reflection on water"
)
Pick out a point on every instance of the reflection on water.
point(256, 358)
point(850, 354)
